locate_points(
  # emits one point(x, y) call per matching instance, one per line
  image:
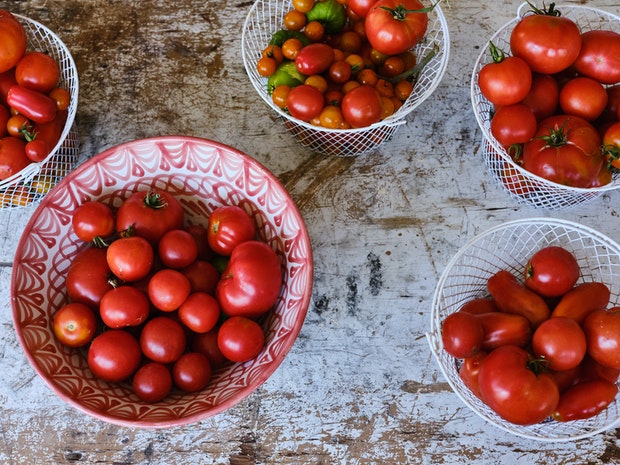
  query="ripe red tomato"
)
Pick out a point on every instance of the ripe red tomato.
point(114, 355)
point(34, 105)
point(168, 289)
point(543, 97)
point(585, 400)
point(565, 150)
point(93, 219)
point(602, 328)
point(152, 382)
point(200, 312)
point(506, 80)
point(461, 334)
point(611, 145)
point(552, 271)
point(191, 372)
point(479, 305)
point(240, 339)
point(361, 106)
point(37, 71)
point(361, 7)
point(598, 56)
point(548, 42)
point(314, 59)
point(13, 40)
point(202, 275)
point(502, 329)
point(581, 300)
point(304, 102)
point(470, 370)
point(583, 97)
point(513, 390)
point(162, 339)
point(229, 226)
point(124, 306)
point(395, 26)
point(591, 369)
point(200, 234)
point(13, 157)
point(513, 124)
point(37, 149)
point(74, 324)
point(150, 214)
point(206, 343)
point(130, 258)
point(177, 248)
point(89, 277)
point(561, 342)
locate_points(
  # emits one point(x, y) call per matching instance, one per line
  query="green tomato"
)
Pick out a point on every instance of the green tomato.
point(331, 14)
point(286, 74)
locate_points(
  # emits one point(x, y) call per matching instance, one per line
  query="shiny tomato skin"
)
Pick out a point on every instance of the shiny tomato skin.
point(602, 329)
point(12, 157)
point(177, 248)
point(513, 124)
point(585, 400)
point(461, 334)
point(34, 105)
point(500, 329)
point(89, 277)
point(37, 71)
point(168, 289)
point(599, 56)
point(583, 97)
point(469, 371)
point(91, 219)
point(200, 234)
point(124, 306)
point(152, 382)
point(551, 271)
point(162, 339)
point(114, 355)
point(191, 372)
point(37, 150)
point(512, 390)
point(361, 7)
point(13, 40)
point(361, 106)
point(543, 97)
point(52, 130)
point(304, 102)
point(561, 342)
point(74, 324)
point(506, 82)
point(391, 31)
point(240, 339)
point(202, 275)
point(229, 226)
point(206, 343)
point(479, 305)
point(591, 369)
point(581, 300)
point(200, 312)
point(130, 258)
point(314, 59)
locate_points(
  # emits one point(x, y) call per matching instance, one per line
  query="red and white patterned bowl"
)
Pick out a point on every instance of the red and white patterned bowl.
point(203, 175)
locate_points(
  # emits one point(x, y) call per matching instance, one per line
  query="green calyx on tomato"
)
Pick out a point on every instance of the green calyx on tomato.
point(400, 12)
point(547, 11)
point(331, 14)
point(286, 74)
point(281, 36)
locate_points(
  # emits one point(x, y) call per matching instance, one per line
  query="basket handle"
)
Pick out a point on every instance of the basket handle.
point(522, 11)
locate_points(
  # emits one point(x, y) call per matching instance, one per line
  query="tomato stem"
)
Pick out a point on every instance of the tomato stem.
point(551, 11)
point(497, 54)
point(153, 200)
point(557, 136)
point(612, 155)
point(400, 12)
point(538, 365)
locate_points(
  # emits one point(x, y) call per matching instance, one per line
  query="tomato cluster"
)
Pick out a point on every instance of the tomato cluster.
point(557, 99)
point(33, 109)
point(343, 64)
point(539, 345)
point(161, 302)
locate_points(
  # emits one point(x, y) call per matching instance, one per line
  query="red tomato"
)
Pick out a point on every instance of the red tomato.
point(191, 372)
point(5, 115)
point(543, 97)
point(37, 71)
point(124, 306)
point(206, 343)
point(200, 234)
point(12, 157)
point(251, 283)
point(228, 227)
point(361, 106)
point(162, 339)
point(177, 248)
point(585, 400)
point(599, 56)
point(513, 390)
point(34, 105)
point(561, 342)
point(114, 355)
point(200, 312)
point(479, 305)
point(581, 300)
point(506, 80)
point(152, 382)
point(168, 289)
point(240, 339)
point(500, 329)
point(37, 149)
point(74, 324)
point(130, 258)
point(548, 42)
point(93, 219)
point(89, 277)
point(395, 26)
point(61, 96)
point(470, 370)
point(52, 130)
point(513, 124)
point(611, 145)
point(461, 334)
point(13, 40)
point(591, 369)
point(583, 97)
point(7, 80)
point(565, 150)
point(602, 328)
point(314, 59)
point(361, 7)
point(202, 275)
point(150, 214)
point(552, 271)
point(304, 102)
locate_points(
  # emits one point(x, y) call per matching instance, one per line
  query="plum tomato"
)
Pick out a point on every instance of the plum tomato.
point(561, 342)
point(551, 271)
point(602, 329)
point(177, 248)
point(114, 355)
point(130, 258)
point(191, 372)
point(74, 324)
point(162, 339)
point(240, 339)
point(200, 312)
point(168, 289)
point(461, 334)
point(314, 59)
point(229, 225)
point(89, 277)
point(479, 305)
point(581, 300)
point(37, 71)
point(502, 329)
point(93, 219)
point(361, 106)
point(152, 382)
point(585, 400)
point(124, 306)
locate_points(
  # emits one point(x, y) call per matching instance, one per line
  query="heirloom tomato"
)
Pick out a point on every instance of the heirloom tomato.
point(599, 56)
point(581, 300)
point(13, 40)
point(561, 342)
point(92, 219)
point(124, 306)
point(240, 339)
point(551, 271)
point(229, 226)
point(74, 324)
point(585, 400)
point(37, 71)
point(152, 382)
point(89, 277)
point(114, 355)
point(502, 329)
point(602, 328)
point(505, 80)
point(130, 258)
point(191, 372)
point(162, 339)
point(461, 334)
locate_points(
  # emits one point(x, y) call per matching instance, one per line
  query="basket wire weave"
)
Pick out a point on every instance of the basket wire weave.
point(266, 17)
point(36, 179)
point(508, 247)
point(522, 185)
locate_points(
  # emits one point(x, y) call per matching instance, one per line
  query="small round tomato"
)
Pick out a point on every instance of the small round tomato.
point(200, 312)
point(152, 382)
point(602, 328)
point(340, 71)
point(361, 106)
point(611, 145)
point(89, 277)
point(168, 289)
point(561, 342)
point(551, 271)
point(200, 234)
point(37, 71)
point(93, 219)
point(37, 150)
point(506, 80)
point(513, 124)
point(130, 258)
point(114, 355)
point(124, 306)
point(304, 102)
point(461, 334)
point(202, 275)
point(162, 339)
point(240, 339)
point(177, 248)
point(583, 97)
point(191, 372)
point(229, 226)
point(16, 124)
point(74, 324)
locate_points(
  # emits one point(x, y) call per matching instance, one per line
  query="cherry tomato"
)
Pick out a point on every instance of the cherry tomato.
point(240, 339)
point(470, 370)
point(168, 289)
point(585, 400)
point(61, 96)
point(315, 31)
point(89, 277)
point(279, 95)
point(206, 343)
point(200, 312)
point(551, 271)
point(602, 329)
point(152, 382)
point(583, 97)
point(229, 225)
point(598, 56)
point(17, 124)
point(294, 20)
point(202, 275)
point(506, 80)
point(162, 339)
point(561, 342)
point(93, 219)
point(130, 258)
point(461, 334)
point(177, 248)
point(303, 6)
point(114, 355)
point(74, 324)
point(191, 372)
point(513, 124)
point(12, 157)
point(13, 40)
point(543, 97)
point(581, 300)
point(340, 72)
point(37, 71)
point(502, 329)
point(361, 106)
point(266, 66)
point(124, 306)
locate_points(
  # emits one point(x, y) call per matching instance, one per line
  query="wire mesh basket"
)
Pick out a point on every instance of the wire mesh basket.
point(36, 179)
point(508, 247)
point(522, 185)
point(266, 17)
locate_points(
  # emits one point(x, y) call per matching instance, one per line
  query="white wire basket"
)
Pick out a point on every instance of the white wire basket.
point(508, 247)
point(36, 179)
point(266, 17)
point(522, 185)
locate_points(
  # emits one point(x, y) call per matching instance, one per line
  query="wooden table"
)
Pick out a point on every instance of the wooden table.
point(360, 385)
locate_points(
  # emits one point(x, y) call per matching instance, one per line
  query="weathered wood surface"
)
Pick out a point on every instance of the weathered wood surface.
point(360, 385)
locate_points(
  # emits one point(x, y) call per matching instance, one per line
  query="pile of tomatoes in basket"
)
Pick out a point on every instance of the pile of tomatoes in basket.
point(342, 64)
point(556, 97)
point(161, 303)
point(33, 109)
point(540, 345)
